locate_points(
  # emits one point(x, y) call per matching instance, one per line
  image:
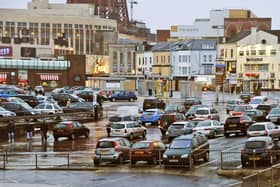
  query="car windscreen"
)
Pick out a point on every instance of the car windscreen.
point(256, 101)
point(141, 145)
point(181, 144)
point(275, 111)
point(149, 112)
point(105, 144)
point(204, 124)
point(118, 126)
point(257, 128)
point(255, 144)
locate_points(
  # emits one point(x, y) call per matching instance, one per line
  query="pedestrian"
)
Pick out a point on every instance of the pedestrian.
point(29, 130)
point(11, 131)
point(68, 103)
point(44, 131)
point(108, 129)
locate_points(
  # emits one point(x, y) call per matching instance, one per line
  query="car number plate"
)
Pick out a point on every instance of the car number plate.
point(139, 152)
point(173, 161)
point(254, 158)
point(117, 130)
point(105, 152)
point(232, 125)
point(60, 130)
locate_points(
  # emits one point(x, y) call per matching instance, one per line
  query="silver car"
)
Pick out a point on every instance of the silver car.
point(233, 103)
point(211, 128)
point(179, 128)
point(264, 129)
point(207, 113)
point(49, 108)
point(128, 129)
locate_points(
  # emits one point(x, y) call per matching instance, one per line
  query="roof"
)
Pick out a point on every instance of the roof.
point(260, 138)
point(239, 36)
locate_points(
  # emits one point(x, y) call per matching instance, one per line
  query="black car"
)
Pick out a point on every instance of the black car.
point(91, 107)
point(186, 149)
point(237, 124)
point(30, 99)
point(191, 101)
point(19, 109)
point(122, 95)
point(153, 103)
point(62, 98)
point(259, 150)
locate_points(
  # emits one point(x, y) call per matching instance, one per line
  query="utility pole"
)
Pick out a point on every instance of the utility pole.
point(132, 2)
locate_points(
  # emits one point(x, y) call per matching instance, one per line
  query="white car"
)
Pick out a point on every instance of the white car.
point(211, 128)
point(49, 108)
point(127, 129)
point(207, 113)
point(258, 100)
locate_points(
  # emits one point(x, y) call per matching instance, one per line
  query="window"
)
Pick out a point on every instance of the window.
point(241, 53)
point(204, 58)
point(231, 53)
point(253, 52)
point(210, 58)
point(115, 61)
point(262, 52)
point(273, 52)
point(247, 53)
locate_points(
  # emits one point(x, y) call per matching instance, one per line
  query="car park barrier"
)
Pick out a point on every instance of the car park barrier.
point(230, 159)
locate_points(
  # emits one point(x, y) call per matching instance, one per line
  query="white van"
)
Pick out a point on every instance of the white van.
point(258, 100)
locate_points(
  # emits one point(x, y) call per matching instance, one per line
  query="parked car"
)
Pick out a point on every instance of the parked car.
point(62, 98)
point(207, 113)
point(266, 108)
point(49, 108)
point(6, 113)
point(246, 97)
point(259, 150)
point(190, 113)
point(17, 100)
point(45, 99)
point(39, 90)
point(70, 129)
point(167, 119)
point(186, 149)
point(147, 150)
point(175, 108)
point(179, 128)
point(91, 107)
point(256, 115)
point(258, 100)
point(264, 129)
point(239, 110)
point(233, 103)
point(153, 103)
point(237, 124)
point(111, 150)
point(211, 128)
point(274, 116)
point(30, 99)
point(151, 117)
point(19, 109)
point(128, 129)
point(122, 95)
point(191, 101)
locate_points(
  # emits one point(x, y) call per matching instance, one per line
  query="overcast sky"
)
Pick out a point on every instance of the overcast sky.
point(161, 14)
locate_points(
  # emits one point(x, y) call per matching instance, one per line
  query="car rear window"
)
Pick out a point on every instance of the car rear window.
point(181, 144)
point(204, 124)
point(202, 112)
point(257, 128)
point(255, 144)
point(141, 145)
point(118, 126)
point(105, 144)
point(232, 120)
point(115, 119)
point(178, 125)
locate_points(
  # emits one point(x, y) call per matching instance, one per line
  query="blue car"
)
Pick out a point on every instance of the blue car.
point(151, 116)
point(122, 95)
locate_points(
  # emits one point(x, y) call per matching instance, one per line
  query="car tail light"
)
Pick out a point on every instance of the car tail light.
point(78, 95)
point(149, 152)
point(115, 145)
point(265, 133)
point(207, 129)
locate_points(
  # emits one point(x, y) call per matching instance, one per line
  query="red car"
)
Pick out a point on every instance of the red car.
point(70, 129)
point(150, 151)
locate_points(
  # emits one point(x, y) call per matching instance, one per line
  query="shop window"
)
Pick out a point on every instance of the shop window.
point(262, 52)
point(241, 53)
point(273, 52)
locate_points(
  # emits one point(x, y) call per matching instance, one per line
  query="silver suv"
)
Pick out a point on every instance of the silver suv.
point(111, 150)
point(128, 129)
point(207, 113)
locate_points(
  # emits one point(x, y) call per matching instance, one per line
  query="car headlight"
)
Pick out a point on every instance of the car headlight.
point(185, 156)
point(164, 156)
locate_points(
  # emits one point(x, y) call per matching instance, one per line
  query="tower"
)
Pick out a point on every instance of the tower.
point(110, 9)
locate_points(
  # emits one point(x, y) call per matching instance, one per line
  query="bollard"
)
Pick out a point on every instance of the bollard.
point(222, 160)
point(4, 161)
point(68, 160)
point(36, 161)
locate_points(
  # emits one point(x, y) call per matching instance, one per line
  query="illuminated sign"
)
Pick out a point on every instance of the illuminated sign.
point(6, 51)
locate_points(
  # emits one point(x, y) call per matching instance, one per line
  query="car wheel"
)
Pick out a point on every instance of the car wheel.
point(131, 136)
point(191, 163)
point(96, 162)
point(206, 157)
point(243, 164)
point(227, 111)
point(113, 100)
point(55, 138)
point(133, 162)
point(73, 136)
point(226, 135)
point(120, 160)
point(154, 160)
point(214, 134)
point(131, 99)
point(144, 134)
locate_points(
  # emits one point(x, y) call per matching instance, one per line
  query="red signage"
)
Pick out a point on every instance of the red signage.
point(6, 51)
